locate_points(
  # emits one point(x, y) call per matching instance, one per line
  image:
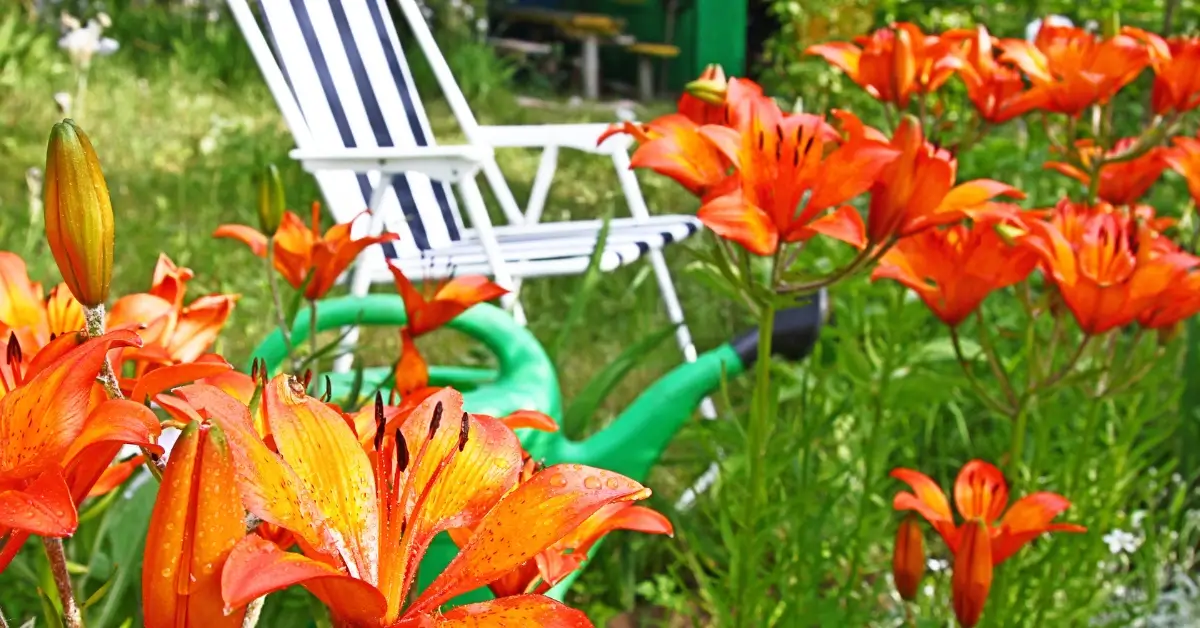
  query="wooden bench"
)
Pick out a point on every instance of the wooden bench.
point(647, 52)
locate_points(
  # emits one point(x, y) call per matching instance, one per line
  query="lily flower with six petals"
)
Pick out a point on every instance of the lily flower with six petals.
point(989, 535)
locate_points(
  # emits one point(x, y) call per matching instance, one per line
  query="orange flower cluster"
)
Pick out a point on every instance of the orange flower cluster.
point(1065, 69)
point(363, 495)
point(987, 536)
point(767, 178)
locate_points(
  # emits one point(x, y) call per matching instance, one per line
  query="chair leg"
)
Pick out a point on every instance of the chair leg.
point(683, 336)
point(477, 212)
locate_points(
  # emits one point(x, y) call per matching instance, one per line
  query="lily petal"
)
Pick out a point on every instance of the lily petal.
point(44, 508)
point(526, 521)
point(257, 567)
point(246, 235)
point(115, 475)
point(980, 491)
point(517, 610)
point(41, 419)
point(197, 520)
point(732, 218)
point(1029, 518)
point(175, 375)
point(928, 500)
point(324, 452)
point(531, 419)
point(844, 223)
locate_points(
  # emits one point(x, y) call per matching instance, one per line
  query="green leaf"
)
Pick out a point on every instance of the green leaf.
point(942, 349)
point(355, 386)
point(49, 610)
point(587, 287)
point(584, 406)
point(124, 533)
point(102, 591)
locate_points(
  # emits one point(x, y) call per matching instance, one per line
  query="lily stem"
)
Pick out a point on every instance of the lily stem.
point(94, 319)
point(3, 621)
point(758, 439)
point(72, 616)
point(253, 612)
point(312, 339)
point(277, 301)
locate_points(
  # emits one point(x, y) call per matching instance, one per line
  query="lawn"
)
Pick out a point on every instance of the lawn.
point(800, 528)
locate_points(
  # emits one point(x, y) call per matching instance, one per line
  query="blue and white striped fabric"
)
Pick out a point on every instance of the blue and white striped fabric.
point(344, 64)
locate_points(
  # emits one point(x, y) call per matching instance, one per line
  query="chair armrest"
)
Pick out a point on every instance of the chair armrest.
point(441, 163)
point(577, 136)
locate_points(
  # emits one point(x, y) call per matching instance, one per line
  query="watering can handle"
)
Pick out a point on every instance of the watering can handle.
point(526, 376)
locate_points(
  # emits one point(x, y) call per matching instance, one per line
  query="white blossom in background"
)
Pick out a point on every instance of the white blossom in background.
point(1121, 542)
point(937, 565)
point(82, 43)
point(63, 101)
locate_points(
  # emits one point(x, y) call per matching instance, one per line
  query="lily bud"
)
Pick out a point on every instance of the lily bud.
point(908, 558)
point(972, 572)
point(79, 218)
point(270, 200)
point(711, 85)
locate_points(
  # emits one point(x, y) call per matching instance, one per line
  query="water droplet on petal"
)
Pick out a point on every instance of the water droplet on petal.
point(501, 462)
point(166, 573)
point(558, 481)
point(208, 568)
point(612, 484)
point(591, 482)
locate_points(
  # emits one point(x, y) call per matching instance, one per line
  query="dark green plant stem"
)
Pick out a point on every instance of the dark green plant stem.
point(312, 339)
point(94, 320)
point(757, 441)
point(277, 303)
point(3, 621)
point(72, 617)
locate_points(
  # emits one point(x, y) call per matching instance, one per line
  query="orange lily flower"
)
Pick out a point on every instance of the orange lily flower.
point(1174, 60)
point(551, 566)
point(954, 269)
point(365, 514)
point(988, 535)
point(1071, 69)
point(997, 90)
point(26, 314)
point(54, 436)
point(1122, 182)
point(174, 333)
point(428, 311)
point(916, 191)
point(672, 145)
point(303, 254)
point(192, 531)
point(1108, 268)
point(781, 160)
point(895, 62)
point(1184, 157)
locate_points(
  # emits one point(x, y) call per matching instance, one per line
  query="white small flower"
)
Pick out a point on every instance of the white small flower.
point(1121, 542)
point(481, 25)
point(1137, 518)
point(63, 100)
point(937, 565)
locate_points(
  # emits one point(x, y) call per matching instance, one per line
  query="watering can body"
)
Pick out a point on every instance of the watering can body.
point(525, 379)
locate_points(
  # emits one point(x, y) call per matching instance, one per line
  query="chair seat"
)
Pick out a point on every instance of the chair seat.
point(549, 249)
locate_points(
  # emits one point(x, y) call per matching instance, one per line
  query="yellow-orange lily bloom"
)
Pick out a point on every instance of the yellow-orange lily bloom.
point(365, 514)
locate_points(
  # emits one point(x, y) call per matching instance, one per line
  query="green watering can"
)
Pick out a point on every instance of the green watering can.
point(525, 380)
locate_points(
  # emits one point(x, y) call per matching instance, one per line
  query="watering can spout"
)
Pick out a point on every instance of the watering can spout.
point(636, 439)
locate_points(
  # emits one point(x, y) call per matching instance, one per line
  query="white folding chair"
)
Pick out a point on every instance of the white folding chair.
point(339, 75)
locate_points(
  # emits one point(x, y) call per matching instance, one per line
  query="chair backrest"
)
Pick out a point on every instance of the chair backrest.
point(341, 66)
